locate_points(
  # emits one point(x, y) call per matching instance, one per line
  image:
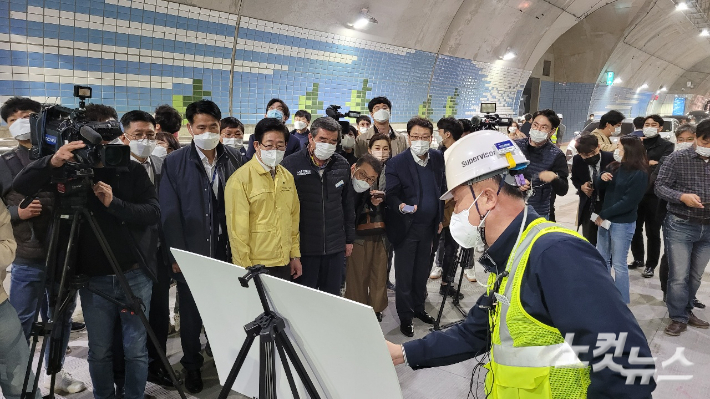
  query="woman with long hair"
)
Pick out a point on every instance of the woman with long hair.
point(623, 186)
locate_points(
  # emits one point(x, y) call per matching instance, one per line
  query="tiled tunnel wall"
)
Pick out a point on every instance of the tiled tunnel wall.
point(143, 53)
point(569, 99)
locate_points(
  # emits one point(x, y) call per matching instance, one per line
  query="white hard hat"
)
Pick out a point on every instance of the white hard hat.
point(479, 156)
point(559, 116)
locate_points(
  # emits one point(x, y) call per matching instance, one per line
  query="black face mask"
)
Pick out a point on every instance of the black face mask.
point(592, 161)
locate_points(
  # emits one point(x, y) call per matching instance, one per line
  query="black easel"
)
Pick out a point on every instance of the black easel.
point(73, 208)
point(463, 258)
point(270, 328)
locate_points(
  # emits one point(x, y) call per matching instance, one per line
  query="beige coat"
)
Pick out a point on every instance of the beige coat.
point(398, 142)
point(604, 141)
point(7, 247)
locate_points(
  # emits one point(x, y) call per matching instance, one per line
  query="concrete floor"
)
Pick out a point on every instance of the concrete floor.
point(455, 381)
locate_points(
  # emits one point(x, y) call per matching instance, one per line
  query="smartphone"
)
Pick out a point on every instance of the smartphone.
point(408, 209)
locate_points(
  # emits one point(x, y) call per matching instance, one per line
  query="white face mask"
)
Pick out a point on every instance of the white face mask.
point(617, 155)
point(272, 158)
point(299, 125)
point(702, 151)
point(233, 142)
point(538, 136)
point(512, 129)
point(464, 233)
point(20, 129)
point(206, 141)
point(360, 186)
point(159, 152)
point(348, 142)
point(420, 147)
point(141, 148)
point(650, 132)
point(683, 146)
point(383, 115)
point(363, 129)
point(324, 151)
point(381, 155)
point(617, 131)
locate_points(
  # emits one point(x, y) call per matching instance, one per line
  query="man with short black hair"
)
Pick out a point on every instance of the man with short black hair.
point(548, 169)
point(589, 163)
point(590, 120)
point(301, 120)
point(167, 120)
point(380, 111)
point(193, 215)
point(231, 132)
point(264, 229)
point(363, 123)
point(327, 209)
point(415, 181)
point(525, 128)
point(100, 113)
point(684, 181)
point(609, 125)
point(277, 108)
point(450, 130)
point(638, 126)
point(467, 126)
point(647, 220)
point(30, 228)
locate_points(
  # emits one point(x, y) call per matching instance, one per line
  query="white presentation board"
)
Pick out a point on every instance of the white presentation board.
point(339, 341)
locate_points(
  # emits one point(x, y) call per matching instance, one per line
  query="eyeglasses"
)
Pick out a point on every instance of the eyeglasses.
point(420, 138)
point(141, 136)
point(270, 147)
point(361, 175)
point(542, 128)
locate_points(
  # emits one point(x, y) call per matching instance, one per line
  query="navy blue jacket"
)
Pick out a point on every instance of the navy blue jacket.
point(292, 146)
point(547, 157)
point(565, 285)
point(403, 188)
point(580, 176)
point(622, 194)
point(186, 197)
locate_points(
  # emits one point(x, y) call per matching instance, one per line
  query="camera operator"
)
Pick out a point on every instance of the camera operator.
point(126, 209)
point(30, 227)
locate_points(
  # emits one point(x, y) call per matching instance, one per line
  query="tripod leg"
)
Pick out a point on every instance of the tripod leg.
point(287, 369)
point(136, 305)
point(267, 371)
point(466, 261)
point(282, 338)
point(238, 363)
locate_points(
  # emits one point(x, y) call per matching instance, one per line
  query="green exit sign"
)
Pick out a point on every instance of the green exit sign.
point(609, 78)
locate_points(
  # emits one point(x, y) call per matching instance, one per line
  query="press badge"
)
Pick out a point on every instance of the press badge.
point(338, 184)
point(506, 148)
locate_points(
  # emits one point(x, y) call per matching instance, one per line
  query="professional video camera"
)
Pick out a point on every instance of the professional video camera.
point(333, 111)
point(55, 126)
point(490, 120)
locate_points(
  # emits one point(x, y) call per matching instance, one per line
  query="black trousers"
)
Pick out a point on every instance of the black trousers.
point(159, 317)
point(589, 230)
point(648, 219)
point(553, 196)
point(323, 272)
point(447, 255)
point(412, 263)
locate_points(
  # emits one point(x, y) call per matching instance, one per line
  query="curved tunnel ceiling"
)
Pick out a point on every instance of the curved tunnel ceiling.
point(643, 41)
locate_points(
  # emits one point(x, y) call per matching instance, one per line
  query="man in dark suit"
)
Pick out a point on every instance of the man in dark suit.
point(527, 125)
point(589, 163)
point(415, 181)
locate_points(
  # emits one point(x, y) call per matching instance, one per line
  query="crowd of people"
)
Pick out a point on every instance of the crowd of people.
point(329, 205)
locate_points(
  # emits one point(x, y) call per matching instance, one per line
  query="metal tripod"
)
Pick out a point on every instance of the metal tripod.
point(270, 328)
point(463, 258)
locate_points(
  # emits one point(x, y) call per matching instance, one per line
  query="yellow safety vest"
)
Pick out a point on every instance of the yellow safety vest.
point(529, 359)
point(553, 138)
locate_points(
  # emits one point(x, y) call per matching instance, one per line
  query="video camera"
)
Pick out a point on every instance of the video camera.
point(333, 111)
point(490, 120)
point(55, 126)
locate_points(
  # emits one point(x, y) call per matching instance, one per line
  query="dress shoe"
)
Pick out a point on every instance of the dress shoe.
point(78, 326)
point(635, 264)
point(675, 328)
point(379, 316)
point(698, 304)
point(407, 329)
point(694, 321)
point(193, 381)
point(159, 376)
point(425, 317)
point(390, 286)
point(450, 291)
point(647, 272)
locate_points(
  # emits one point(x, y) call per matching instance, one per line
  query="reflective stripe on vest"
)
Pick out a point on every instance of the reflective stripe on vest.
point(560, 355)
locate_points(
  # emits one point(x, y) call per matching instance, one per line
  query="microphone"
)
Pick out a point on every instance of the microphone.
point(90, 135)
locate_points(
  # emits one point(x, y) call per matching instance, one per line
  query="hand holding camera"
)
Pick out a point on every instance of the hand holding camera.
point(65, 153)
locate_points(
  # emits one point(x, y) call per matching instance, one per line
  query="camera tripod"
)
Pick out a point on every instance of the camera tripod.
point(72, 201)
point(270, 328)
point(463, 258)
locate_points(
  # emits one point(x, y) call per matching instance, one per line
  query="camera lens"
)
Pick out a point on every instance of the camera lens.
point(114, 156)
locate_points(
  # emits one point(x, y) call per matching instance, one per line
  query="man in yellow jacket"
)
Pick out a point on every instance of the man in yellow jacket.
point(262, 207)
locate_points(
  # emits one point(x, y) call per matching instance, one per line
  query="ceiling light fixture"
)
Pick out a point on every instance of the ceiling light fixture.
point(618, 80)
point(663, 88)
point(705, 33)
point(364, 19)
point(681, 6)
point(508, 56)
